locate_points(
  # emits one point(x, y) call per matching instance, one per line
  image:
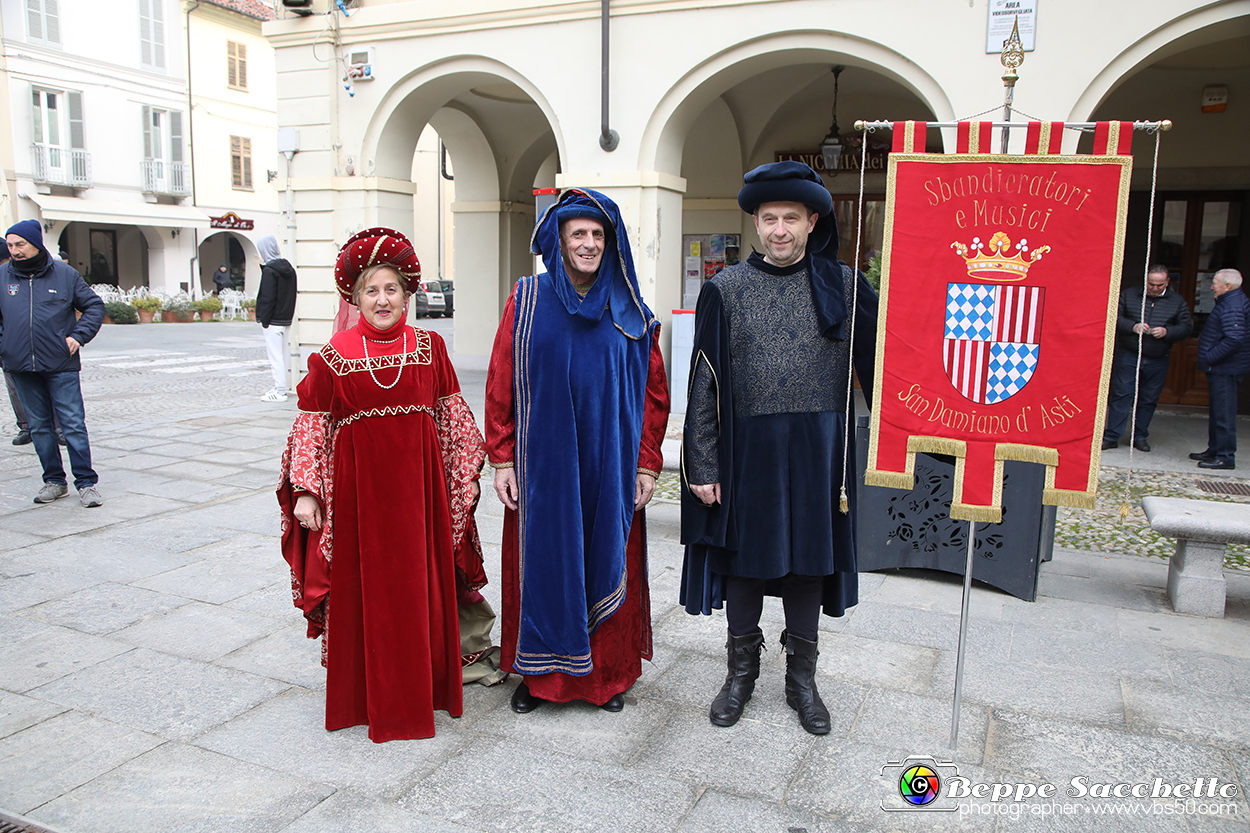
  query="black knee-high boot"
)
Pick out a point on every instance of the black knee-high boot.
point(744, 669)
point(801, 693)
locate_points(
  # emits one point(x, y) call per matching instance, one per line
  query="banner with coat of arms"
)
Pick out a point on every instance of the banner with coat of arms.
point(999, 285)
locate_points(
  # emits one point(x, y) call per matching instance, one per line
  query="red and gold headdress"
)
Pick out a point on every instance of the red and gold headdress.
point(371, 247)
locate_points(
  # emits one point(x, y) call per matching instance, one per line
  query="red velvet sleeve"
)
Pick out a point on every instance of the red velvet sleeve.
point(500, 408)
point(655, 412)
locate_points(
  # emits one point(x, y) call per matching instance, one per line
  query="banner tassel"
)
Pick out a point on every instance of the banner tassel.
point(1125, 511)
point(843, 505)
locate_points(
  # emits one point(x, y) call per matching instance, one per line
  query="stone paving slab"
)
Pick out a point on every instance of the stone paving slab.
point(49, 759)
point(499, 786)
point(165, 790)
point(103, 608)
point(348, 810)
point(287, 655)
point(168, 696)
point(287, 734)
point(18, 712)
point(719, 812)
point(34, 653)
point(199, 631)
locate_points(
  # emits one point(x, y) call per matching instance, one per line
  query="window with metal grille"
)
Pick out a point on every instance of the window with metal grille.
point(151, 33)
point(236, 65)
point(241, 163)
point(43, 23)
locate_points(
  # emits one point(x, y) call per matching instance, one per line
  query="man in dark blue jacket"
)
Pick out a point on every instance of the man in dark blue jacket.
point(39, 341)
point(1224, 355)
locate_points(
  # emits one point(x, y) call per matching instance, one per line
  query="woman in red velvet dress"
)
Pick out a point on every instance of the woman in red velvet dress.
point(379, 481)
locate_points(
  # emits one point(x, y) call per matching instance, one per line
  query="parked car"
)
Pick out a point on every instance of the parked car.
point(447, 293)
point(419, 304)
point(434, 294)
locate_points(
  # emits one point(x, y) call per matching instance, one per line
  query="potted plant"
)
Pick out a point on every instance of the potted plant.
point(249, 304)
point(119, 312)
point(177, 308)
point(207, 307)
point(146, 306)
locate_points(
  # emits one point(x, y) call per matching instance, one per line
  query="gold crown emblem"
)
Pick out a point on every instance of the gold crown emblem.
point(992, 262)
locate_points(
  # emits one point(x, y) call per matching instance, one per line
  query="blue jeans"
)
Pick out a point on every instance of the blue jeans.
point(1222, 416)
point(1153, 374)
point(45, 394)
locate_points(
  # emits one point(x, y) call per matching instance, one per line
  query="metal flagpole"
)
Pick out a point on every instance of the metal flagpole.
point(963, 634)
point(1012, 57)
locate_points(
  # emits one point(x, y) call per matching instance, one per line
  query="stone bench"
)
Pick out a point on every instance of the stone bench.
point(1202, 529)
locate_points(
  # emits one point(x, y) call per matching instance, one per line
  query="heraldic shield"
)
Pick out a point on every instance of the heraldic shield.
point(992, 334)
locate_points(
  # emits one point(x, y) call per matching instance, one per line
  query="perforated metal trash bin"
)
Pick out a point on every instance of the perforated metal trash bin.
point(914, 529)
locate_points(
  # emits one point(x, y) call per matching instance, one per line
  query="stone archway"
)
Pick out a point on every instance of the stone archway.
point(748, 98)
point(498, 130)
point(214, 249)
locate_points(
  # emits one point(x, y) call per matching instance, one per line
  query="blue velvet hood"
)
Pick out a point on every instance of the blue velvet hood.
point(616, 288)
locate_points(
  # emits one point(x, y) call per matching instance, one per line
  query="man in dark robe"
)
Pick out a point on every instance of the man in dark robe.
point(576, 407)
point(765, 446)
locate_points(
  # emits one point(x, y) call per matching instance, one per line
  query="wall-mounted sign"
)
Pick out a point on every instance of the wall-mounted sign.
point(231, 221)
point(1003, 15)
point(878, 151)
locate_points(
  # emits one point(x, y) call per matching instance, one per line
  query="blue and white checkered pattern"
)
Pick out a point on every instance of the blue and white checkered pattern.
point(970, 311)
point(1010, 368)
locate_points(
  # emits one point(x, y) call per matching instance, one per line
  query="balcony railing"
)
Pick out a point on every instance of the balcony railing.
point(61, 166)
point(161, 177)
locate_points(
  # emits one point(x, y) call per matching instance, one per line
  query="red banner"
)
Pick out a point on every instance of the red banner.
point(999, 288)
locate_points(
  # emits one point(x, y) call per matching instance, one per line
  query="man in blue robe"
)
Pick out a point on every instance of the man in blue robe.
point(576, 408)
point(765, 442)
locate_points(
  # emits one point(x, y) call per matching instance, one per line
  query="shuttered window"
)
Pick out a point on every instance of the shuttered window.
point(236, 65)
point(151, 33)
point(162, 133)
point(241, 163)
point(43, 22)
point(77, 139)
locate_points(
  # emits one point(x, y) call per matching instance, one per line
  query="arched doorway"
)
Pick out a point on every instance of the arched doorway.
point(759, 101)
point(498, 133)
point(240, 257)
point(1202, 206)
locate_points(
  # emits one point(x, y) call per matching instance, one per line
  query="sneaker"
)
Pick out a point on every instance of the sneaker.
point(89, 497)
point(22, 438)
point(51, 492)
point(274, 396)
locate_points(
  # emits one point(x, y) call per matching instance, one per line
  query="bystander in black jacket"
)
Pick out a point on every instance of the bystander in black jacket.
point(1167, 310)
point(1223, 346)
point(275, 301)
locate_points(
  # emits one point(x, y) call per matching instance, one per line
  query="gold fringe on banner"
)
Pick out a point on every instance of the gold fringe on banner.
point(1026, 453)
point(1068, 497)
point(935, 445)
point(891, 479)
point(978, 514)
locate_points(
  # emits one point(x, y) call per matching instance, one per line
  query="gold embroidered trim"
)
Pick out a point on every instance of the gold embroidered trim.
point(340, 366)
point(392, 410)
point(654, 474)
point(507, 465)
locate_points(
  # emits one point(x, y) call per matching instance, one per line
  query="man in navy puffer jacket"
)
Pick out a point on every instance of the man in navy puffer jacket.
point(39, 341)
point(1224, 355)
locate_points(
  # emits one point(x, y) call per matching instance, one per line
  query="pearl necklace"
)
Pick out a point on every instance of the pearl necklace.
point(369, 364)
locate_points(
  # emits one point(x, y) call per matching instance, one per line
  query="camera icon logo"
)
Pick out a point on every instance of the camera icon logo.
point(916, 784)
point(919, 785)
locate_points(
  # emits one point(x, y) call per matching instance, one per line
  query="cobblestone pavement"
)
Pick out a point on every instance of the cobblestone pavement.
point(154, 676)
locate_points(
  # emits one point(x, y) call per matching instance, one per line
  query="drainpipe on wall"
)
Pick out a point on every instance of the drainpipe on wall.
point(608, 138)
point(194, 280)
